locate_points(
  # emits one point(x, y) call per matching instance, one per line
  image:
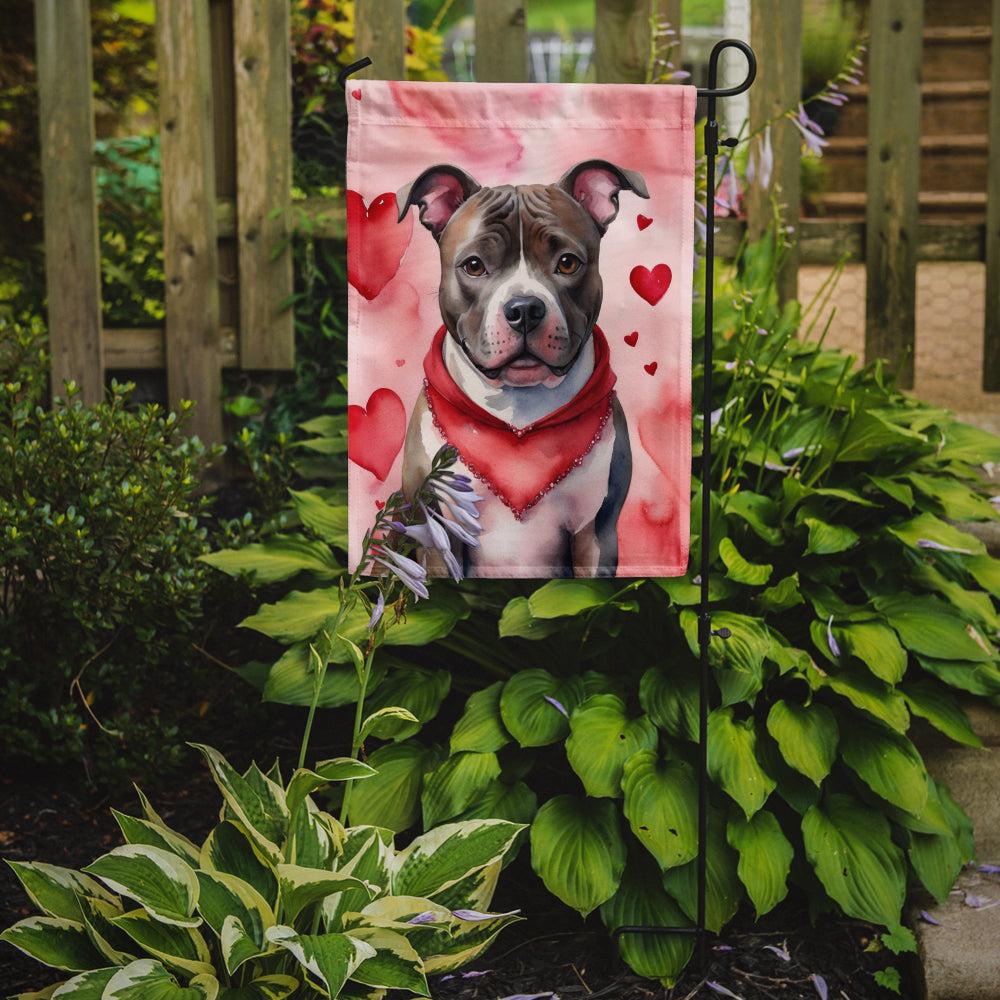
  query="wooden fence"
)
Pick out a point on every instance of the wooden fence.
point(226, 161)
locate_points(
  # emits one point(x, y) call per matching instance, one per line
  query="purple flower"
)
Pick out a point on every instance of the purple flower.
point(811, 132)
point(377, 611)
point(432, 537)
point(834, 648)
point(558, 705)
point(820, 983)
point(475, 915)
point(780, 952)
point(719, 988)
point(761, 163)
point(427, 917)
point(410, 573)
point(927, 543)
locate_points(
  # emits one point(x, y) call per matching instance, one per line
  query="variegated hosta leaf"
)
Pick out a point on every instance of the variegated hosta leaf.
point(732, 760)
point(475, 891)
point(56, 891)
point(481, 727)
point(888, 763)
point(177, 947)
point(301, 887)
point(141, 831)
point(467, 940)
point(441, 857)
point(98, 915)
point(807, 736)
point(456, 784)
point(149, 980)
point(54, 941)
point(230, 849)
point(602, 737)
point(367, 853)
point(642, 902)
point(765, 858)
point(274, 987)
point(158, 880)
point(850, 847)
point(225, 897)
point(535, 706)
point(304, 782)
point(315, 838)
point(395, 964)
point(329, 959)
point(661, 805)
point(578, 851)
point(86, 986)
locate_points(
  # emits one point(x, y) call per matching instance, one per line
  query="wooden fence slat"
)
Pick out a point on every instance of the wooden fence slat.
point(262, 61)
point(776, 36)
point(893, 184)
point(991, 331)
point(621, 40)
point(190, 253)
point(380, 34)
point(72, 256)
point(501, 41)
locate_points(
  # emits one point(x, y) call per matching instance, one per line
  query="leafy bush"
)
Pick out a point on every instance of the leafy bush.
point(279, 899)
point(99, 541)
point(855, 604)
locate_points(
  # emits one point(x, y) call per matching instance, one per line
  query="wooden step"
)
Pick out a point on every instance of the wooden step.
point(958, 206)
point(956, 53)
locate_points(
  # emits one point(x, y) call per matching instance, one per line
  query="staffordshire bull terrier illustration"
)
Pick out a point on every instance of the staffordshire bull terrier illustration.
point(518, 377)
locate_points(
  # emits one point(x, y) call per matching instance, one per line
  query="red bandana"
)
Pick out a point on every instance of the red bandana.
point(520, 466)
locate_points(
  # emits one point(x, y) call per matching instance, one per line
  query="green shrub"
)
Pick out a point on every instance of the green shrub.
point(101, 584)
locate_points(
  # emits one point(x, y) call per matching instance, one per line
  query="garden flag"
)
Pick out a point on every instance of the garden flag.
point(520, 266)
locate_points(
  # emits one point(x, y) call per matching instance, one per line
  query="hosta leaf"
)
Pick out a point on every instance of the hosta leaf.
point(141, 831)
point(330, 959)
point(941, 709)
point(765, 858)
point(965, 443)
point(517, 620)
point(391, 798)
point(928, 528)
point(87, 986)
point(54, 941)
point(850, 848)
point(291, 680)
point(180, 948)
point(438, 859)
point(56, 891)
point(738, 661)
point(976, 678)
point(758, 511)
point(481, 727)
point(301, 887)
point(530, 706)
point(456, 784)
point(417, 690)
point(937, 860)
point(279, 558)
point(559, 598)
point(230, 849)
point(866, 692)
point(671, 700)
point(641, 901)
point(327, 520)
point(661, 800)
point(976, 605)
point(274, 987)
point(225, 897)
point(986, 571)
point(783, 595)
point(304, 782)
point(827, 539)
point(466, 941)
point(395, 964)
point(870, 435)
point(602, 738)
point(723, 889)
point(147, 979)
point(888, 763)
point(807, 736)
point(366, 855)
point(98, 916)
point(732, 760)
point(578, 851)
point(516, 803)
point(388, 723)
point(876, 646)
point(931, 628)
point(957, 501)
point(739, 569)
point(159, 881)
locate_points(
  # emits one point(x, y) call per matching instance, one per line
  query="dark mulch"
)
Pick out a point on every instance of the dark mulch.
point(551, 951)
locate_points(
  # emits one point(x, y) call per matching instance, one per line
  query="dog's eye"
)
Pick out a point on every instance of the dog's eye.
point(474, 267)
point(568, 264)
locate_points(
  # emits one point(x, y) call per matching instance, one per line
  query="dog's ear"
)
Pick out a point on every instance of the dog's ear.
point(439, 191)
point(595, 185)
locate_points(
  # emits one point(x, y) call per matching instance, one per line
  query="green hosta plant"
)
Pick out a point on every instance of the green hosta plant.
point(279, 900)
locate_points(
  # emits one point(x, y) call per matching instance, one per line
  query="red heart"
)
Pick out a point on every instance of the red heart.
point(376, 242)
point(643, 222)
point(631, 338)
point(650, 285)
point(356, 94)
point(375, 434)
point(379, 504)
point(400, 362)
point(651, 367)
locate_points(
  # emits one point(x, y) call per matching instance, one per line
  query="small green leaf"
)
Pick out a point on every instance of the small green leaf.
point(807, 736)
point(517, 620)
point(671, 700)
point(739, 569)
point(560, 598)
point(936, 704)
point(456, 784)
point(481, 727)
point(827, 539)
point(732, 760)
point(535, 706)
point(765, 858)
point(888, 763)
point(279, 558)
point(930, 627)
point(328, 521)
point(391, 798)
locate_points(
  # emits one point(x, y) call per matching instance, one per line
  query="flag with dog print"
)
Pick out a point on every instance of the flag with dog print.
point(520, 267)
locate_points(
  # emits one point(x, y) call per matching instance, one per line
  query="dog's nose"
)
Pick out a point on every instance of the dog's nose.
point(524, 313)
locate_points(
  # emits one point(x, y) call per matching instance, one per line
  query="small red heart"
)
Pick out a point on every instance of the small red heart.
point(376, 242)
point(651, 367)
point(356, 94)
point(379, 504)
point(631, 338)
point(375, 433)
point(400, 362)
point(643, 222)
point(650, 285)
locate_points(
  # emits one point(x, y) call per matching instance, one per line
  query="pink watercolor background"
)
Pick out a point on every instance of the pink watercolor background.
point(523, 134)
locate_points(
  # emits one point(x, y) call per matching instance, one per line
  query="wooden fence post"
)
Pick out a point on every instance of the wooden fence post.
point(776, 35)
point(190, 251)
point(991, 332)
point(501, 41)
point(380, 34)
point(262, 61)
point(892, 214)
point(622, 37)
point(72, 255)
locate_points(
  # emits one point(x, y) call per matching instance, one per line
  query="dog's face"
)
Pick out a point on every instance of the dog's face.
point(520, 282)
